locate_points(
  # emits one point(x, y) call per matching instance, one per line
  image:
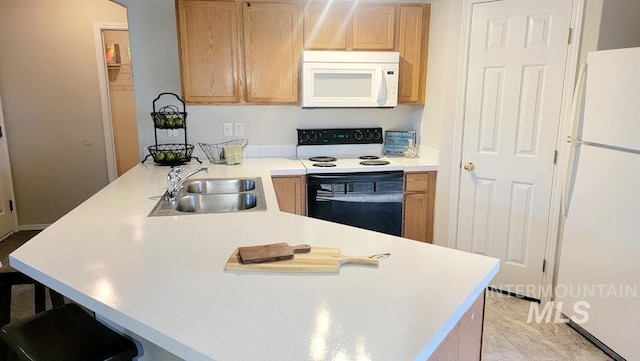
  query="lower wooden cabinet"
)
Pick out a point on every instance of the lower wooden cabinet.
point(418, 203)
point(464, 342)
point(291, 192)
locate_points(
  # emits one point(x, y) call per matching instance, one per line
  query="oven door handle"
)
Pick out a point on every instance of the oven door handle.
point(355, 177)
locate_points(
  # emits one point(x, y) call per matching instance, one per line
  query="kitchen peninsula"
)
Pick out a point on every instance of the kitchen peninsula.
point(162, 279)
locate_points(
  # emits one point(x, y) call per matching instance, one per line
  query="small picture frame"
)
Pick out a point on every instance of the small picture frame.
point(396, 141)
point(112, 54)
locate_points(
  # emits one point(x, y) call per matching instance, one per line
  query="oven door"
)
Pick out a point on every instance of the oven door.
point(366, 200)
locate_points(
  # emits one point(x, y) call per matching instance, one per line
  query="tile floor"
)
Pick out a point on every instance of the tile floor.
point(509, 337)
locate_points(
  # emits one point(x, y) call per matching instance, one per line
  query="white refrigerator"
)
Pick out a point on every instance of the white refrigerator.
point(599, 268)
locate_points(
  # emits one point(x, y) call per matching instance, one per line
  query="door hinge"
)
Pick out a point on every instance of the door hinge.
point(569, 35)
point(10, 206)
point(544, 265)
point(555, 157)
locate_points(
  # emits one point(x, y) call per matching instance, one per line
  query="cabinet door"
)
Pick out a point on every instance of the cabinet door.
point(464, 341)
point(418, 206)
point(412, 45)
point(209, 58)
point(415, 216)
point(373, 27)
point(417, 182)
point(325, 26)
point(272, 45)
point(291, 194)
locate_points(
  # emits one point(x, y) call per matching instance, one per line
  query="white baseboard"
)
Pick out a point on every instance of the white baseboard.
point(33, 227)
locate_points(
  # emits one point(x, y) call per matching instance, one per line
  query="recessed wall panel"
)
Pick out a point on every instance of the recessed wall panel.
point(533, 77)
point(497, 32)
point(520, 213)
point(491, 109)
point(538, 29)
point(482, 213)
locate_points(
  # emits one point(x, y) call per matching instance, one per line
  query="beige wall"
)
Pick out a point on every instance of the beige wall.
point(610, 24)
point(620, 24)
point(591, 27)
point(440, 112)
point(49, 87)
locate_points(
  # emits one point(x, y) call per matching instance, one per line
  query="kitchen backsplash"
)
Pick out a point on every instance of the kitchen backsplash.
point(276, 125)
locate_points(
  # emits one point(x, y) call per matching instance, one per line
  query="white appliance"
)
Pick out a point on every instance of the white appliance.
point(599, 268)
point(345, 79)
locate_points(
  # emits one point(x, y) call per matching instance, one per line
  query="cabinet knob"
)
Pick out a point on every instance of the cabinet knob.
point(469, 166)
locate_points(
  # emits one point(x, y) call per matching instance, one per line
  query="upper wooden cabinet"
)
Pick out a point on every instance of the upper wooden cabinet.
point(346, 26)
point(249, 52)
point(272, 45)
point(335, 25)
point(325, 26)
point(209, 51)
point(374, 27)
point(219, 65)
point(413, 33)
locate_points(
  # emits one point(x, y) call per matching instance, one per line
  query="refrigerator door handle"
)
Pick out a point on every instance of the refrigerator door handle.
point(572, 168)
point(574, 141)
point(576, 124)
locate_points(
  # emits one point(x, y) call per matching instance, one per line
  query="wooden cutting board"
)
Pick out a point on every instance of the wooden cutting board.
point(318, 260)
point(270, 252)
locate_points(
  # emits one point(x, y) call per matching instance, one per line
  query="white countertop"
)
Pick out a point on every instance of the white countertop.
point(427, 160)
point(162, 278)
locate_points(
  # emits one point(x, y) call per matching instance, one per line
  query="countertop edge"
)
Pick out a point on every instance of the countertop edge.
point(437, 339)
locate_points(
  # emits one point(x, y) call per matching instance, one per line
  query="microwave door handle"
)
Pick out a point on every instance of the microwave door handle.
point(382, 89)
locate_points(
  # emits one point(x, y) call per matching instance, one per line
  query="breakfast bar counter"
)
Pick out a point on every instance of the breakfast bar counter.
point(162, 279)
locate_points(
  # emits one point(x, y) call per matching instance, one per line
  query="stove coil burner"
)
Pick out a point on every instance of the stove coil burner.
point(374, 162)
point(369, 157)
point(322, 159)
point(324, 165)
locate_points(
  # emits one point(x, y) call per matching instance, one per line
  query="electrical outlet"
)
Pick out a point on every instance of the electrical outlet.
point(239, 127)
point(228, 130)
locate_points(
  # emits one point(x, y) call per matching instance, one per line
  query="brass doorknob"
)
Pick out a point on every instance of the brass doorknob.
point(468, 166)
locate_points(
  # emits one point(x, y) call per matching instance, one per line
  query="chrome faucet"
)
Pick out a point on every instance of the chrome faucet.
point(175, 180)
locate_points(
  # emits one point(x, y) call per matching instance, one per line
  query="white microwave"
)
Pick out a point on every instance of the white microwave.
point(345, 79)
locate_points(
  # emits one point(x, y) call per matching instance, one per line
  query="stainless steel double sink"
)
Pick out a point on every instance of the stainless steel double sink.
point(213, 195)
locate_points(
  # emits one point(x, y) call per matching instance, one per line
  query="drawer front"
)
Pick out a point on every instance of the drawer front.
point(416, 182)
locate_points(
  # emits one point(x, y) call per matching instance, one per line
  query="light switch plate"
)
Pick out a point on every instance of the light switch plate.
point(239, 128)
point(228, 129)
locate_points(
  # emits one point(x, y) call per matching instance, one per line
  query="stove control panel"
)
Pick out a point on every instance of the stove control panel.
point(340, 136)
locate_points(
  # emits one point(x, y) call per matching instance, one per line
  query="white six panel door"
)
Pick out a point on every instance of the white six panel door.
point(516, 69)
